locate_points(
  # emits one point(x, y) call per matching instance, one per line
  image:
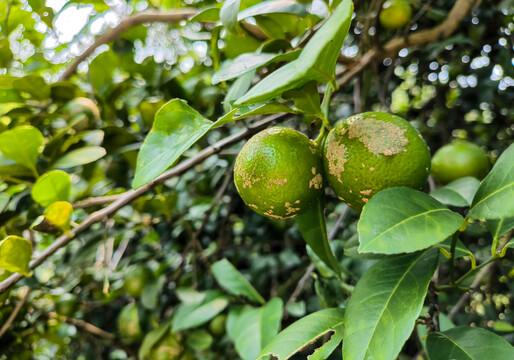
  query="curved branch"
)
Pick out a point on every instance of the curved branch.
point(130, 195)
point(126, 24)
point(419, 38)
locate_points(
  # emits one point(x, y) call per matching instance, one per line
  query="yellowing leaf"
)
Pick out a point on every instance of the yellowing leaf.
point(15, 254)
point(58, 214)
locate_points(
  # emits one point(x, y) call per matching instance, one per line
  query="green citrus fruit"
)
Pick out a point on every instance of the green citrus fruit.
point(395, 14)
point(168, 348)
point(67, 304)
point(136, 279)
point(457, 160)
point(278, 173)
point(370, 152)
point(217, 325)
point(128, 324)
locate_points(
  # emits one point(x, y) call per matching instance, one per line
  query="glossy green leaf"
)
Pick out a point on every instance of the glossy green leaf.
point(410, 220)
point(176, 128)
point(246, 62)
point(457, 193)
point(234, 282)
point(274, 7)
point(314, 231)
point(238, 88)
point(210, 15)
point(385, 304)
point(59, 214)
point(81, 156)
point(500, 227)
point(421, 329)
point(193, 314)
point(33, 85)
point(509, 245)
point(228, 14)
point(50, 187)
point(468, 343)
point(305, 331)
point(494, 198)
point(151, 291)
point(306, 99)
point(263, 109)
point(4, 201)
point(102, 70)
point(153, 338)
point(316, 62)
point(22, 144)
point(251, 329)
point(15, 254)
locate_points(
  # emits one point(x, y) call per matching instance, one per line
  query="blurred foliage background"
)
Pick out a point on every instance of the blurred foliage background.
point(157, 252)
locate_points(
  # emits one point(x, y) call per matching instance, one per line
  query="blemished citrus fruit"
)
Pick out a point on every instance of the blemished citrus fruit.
point(136, 279)
point(457, 160)
point(372, 151)
point(168, 348)
point(129, 327)
point(278, 173)
point(395, 14)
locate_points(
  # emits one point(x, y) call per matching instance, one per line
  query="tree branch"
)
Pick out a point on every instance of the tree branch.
point(15, 312)
point(130, 195)
point(126, 24)
point(440, 32)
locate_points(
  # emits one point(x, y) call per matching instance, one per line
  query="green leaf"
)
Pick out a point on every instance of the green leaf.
point(101, 71)
point(460, 250)
point(228, 14)
point(22, 144)
point(385, 304)
point(305, 331)
point(508, 245)
point(316, 62)
point(234, 282)
point(6, 54)
point(494, 198)
point(402, 220)
point(251, 329)
point(468, 343)
point(53, 186)
point(206, 307)
point(263, 109)
point(150, 295)
point(208, 15)
point(314, 231)
point(306, 99)
point(238, 88)
point(274, 7)
point(81, 156)
point(500, 227)
point(59, 214)
point(15, 254)
point(176, 128)
point(457, 193)
point(153, 338)
point(33, 85)
point(250, 61)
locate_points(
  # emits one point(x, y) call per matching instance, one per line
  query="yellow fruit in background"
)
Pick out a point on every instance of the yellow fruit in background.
point(457, 160)
point(129, 327)
point(370, 152)
point(278, 173)
point(395, 14)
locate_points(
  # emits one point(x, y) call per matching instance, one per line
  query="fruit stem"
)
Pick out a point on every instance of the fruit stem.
point(321, 137)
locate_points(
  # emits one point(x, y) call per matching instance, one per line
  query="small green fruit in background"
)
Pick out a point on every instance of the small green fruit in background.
point(458, 160)
point(395, 14)
point(129, 327)
point(136, 279)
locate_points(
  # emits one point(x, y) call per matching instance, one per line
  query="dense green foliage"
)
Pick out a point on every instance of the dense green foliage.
point(116, 179)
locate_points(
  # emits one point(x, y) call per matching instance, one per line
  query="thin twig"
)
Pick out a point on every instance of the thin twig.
point(130, 195)
point(15, 312)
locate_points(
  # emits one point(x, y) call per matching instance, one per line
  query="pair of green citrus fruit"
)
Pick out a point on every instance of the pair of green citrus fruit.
point(280, 173)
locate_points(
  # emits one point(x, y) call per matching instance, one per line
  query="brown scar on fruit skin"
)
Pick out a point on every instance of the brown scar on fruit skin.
point(366, 192)
point(313, 170)
point(365, 200)
point(379, 137)
point(371, 169)
point(253, 206)
point(316, 182)
point(336, 160)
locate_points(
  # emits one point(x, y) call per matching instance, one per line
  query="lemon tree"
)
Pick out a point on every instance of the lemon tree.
point(370, 152)
point(278, 173)
point(458, 160)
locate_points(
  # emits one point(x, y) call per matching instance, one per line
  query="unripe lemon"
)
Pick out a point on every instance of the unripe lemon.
point(136, 279)
point(395, 14)
point(457, 160)
point(168, 348)
point(128, 324)
point(370, 152)
point(278, 173)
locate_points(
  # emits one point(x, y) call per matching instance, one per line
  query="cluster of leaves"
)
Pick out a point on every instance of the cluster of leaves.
point(207, 253)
